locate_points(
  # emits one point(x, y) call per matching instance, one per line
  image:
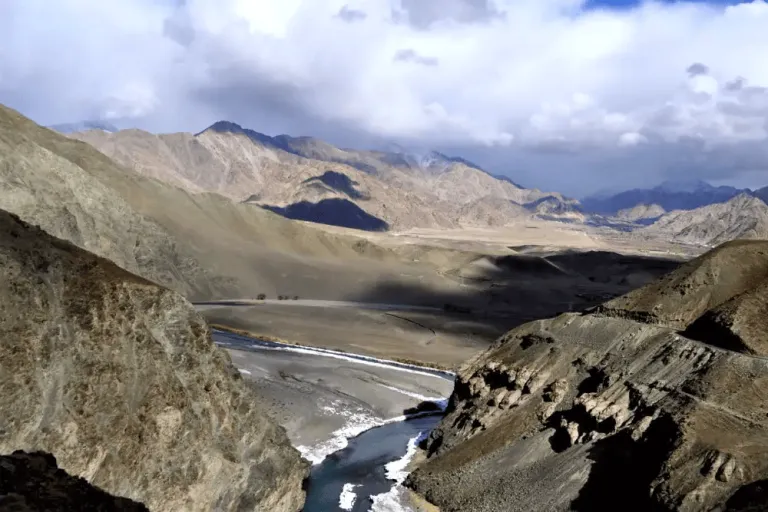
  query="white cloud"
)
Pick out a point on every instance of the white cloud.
point(521, 74)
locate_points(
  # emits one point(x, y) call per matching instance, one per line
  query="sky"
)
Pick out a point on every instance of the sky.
point(577, 96)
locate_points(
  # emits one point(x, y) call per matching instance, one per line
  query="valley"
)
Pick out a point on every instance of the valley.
point(479, 333)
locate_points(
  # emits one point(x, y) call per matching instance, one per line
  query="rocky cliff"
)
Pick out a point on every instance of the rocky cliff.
point(119, 379)
point(653, 401)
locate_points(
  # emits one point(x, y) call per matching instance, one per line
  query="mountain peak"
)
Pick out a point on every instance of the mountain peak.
point(224, 126)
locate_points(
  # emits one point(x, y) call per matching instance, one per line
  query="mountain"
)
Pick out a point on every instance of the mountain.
point(744, 216)
point(119, 379)
point(507, 179)
point(83, 126)
point(401, 189)
point(761, 193)
point(670, 195)
point(61, 185)
point(652, 401)
point(199, 244)
point(641, 213)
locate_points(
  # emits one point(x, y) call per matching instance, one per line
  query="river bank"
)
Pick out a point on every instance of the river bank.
point(348, 414)
point(322, 398)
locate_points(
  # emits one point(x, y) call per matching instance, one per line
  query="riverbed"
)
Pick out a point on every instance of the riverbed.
point(348, 414)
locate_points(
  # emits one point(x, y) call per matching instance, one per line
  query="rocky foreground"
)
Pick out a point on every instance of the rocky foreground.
point(32, 482)
point(118, 378)
point(653, 401)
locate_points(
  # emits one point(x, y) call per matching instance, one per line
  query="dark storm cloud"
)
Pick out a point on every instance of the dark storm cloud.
point(351, 15)
point(423, 13)
point(697, 68)
point(410, 55)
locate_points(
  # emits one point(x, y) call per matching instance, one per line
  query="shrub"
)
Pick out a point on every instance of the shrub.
point(261, 297)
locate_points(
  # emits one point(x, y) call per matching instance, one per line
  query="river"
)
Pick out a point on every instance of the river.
point(362, 469)
point(354, 460)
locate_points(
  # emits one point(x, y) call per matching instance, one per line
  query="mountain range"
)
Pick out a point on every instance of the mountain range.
point(308, 179)
point(668, 196)
point(305, 178)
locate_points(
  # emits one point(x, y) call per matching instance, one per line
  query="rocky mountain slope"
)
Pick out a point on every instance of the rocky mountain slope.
point(119, 379)
point(653, 401)
point(744, 216)
point(398, 189)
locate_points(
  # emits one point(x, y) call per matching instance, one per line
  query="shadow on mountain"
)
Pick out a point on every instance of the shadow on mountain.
point(339, 182)
point(34, 482)
point(503, 292)
point(749, 498)
point(334, 212)
point(623, 469)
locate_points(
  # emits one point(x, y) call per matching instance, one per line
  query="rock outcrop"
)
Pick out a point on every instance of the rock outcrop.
point(119, 379)
point(653, 401)
point(31, 482)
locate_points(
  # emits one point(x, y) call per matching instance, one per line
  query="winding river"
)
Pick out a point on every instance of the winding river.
point(365, 474)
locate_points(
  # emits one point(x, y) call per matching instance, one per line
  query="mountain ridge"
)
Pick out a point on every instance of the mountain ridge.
point(651, 401)
point(277, 172)
point(669, 195)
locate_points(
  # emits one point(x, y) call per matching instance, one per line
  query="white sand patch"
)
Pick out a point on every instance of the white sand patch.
point(396, 469)
point(348, 497)
point(392, 501)
point(353, 358)
point(358, 421)
point(417, 396)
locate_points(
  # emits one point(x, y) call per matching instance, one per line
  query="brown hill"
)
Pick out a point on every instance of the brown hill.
point(202, 245)
point(120, 380)
point(652, 402)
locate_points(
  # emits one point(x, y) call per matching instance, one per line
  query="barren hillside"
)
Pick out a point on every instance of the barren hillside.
point(202, 245)
point(119, 379)
point(652, 402)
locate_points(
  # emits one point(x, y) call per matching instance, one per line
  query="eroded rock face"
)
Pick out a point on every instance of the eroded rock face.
point(119, 379)
point(616, 409)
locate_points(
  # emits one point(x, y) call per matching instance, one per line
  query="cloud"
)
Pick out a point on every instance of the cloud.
point(423, 14)
point(410, 55)
point(351, 15)
point(697, 68)
point(558, 94)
